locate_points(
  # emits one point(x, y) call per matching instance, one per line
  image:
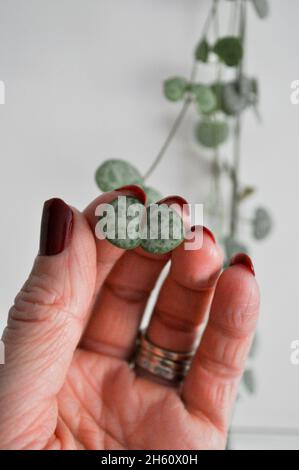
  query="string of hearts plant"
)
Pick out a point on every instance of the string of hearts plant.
point(220, 105)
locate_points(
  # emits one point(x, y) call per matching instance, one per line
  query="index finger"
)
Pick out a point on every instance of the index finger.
point(108, 254)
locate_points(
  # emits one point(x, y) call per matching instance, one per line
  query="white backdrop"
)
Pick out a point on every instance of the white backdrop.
point(83, 83)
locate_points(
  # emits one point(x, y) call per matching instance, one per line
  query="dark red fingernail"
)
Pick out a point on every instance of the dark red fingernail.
point(173, 200)
point(205, 230)
point(135, 191)
point(56, 227)
point(242, 258)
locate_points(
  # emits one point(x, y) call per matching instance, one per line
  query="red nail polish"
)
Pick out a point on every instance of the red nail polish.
point(173, 200)
point(135, 191)
point(205, 230)
point(56, 227)
point(242, 258)
point(210, 233)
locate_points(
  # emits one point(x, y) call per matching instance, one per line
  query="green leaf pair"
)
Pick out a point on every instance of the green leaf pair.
point(176, 87)
point(229, 50)
point(235, 96)
point(124, 225)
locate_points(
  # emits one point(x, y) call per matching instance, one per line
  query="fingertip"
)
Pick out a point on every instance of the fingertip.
point(108, 197)
point(237, 277)
point(237, 295)
point(242, 259)
point(205, 230)
point(202, 263)
point(56, 227)
point(201, 238)
point(134, 191)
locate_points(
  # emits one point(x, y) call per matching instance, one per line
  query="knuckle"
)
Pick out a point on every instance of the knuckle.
point(39, 300)
point(175, 323)
point(223, 370)
point(238, 318)
point(127, 293)
point(236, 306)
point(241, 321)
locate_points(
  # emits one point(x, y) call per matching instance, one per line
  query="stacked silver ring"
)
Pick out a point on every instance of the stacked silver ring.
point(168, 365)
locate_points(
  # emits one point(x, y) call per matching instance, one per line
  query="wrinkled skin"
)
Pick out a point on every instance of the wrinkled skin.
point(67, 383)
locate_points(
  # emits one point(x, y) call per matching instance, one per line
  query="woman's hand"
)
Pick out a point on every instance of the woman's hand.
point(67, 383)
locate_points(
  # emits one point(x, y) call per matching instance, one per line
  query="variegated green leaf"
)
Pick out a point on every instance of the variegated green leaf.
point(211, 134)
point(164, 229)
point(262, 223)
point(113, 174)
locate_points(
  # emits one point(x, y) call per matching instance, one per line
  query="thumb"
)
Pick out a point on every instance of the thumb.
point(47, 318)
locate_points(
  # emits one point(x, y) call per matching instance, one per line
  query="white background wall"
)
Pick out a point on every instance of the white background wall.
point(83, 83)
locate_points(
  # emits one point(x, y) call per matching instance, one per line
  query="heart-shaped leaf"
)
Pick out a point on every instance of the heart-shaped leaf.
point(175, 88)
point(229, 50)
point(122, 221)
point(212, 133)
point(233, 101)
point(164, 229)
point(238, 95)
point(248, 88)
point(205, 98)
point(113, 174)
point(262, 223)
point(261, 7)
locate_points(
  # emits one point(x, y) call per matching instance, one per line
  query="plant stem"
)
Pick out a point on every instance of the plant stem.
point(217, 173)
point(234, 221)
point(209, 19)
point(217, 183)
point(216, 19)
point(235, 178)
point(232, 24)
point(170, 136)
point(187, 101)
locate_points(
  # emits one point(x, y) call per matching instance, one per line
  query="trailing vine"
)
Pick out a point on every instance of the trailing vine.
point(220, 107)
